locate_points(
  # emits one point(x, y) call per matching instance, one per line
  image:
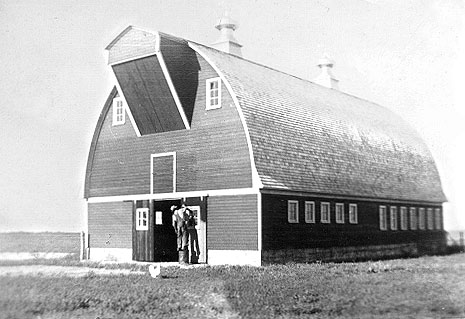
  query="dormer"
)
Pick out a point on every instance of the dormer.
point(158, 86)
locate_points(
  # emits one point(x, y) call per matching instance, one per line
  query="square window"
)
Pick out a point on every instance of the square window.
point(118, 111)
point(353, 214)
point(325, 213)
point(413, 218)
point(310, 212)
point(421, 218)
point(213, 94)
point(393, 218)
point(142, 219)
point(293, 211)
point(382, 218)
point(403, 218)
point(339, 213)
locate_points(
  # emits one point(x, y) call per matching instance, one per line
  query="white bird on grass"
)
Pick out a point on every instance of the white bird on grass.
point(154, 270)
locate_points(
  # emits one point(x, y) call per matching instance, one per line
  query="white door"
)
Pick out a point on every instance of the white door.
point(198, 246)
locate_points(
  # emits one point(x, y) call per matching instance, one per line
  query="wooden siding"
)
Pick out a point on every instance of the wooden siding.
point(232, 223)
point(110, 225)
point(213, 154)
point(131, 44)
point(148, 95)
point(279, 234)
point(163, 171)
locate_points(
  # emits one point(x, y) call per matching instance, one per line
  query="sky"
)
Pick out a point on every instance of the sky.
point(403, 54)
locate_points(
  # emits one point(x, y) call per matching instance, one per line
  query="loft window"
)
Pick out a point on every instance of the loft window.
point(213, 94)
point(142, 219)
point(413, 218)
point(310, 212)
point(438, 218)
point(339, 213)
point(382, 218)
point(325, 213)
point(421, 218)
point(393, 218)
point(118, 111)
point(430, 218)
point(353, 214)
point(403, 218)
point(293, 211)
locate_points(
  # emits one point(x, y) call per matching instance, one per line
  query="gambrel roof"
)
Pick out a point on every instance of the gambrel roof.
point(309, 138)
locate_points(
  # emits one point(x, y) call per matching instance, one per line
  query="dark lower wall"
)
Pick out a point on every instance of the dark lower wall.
point(232, 223)
point(278, 233)
point(110, 225)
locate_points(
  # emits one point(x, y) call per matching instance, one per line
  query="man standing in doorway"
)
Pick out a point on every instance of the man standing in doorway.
point(180, 218)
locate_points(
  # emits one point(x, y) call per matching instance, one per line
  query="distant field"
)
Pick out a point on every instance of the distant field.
point(426, 287)
point(48, 242)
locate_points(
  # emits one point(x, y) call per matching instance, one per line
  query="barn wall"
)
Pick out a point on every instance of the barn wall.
point(232, 223)
point(110, 225)
point(213, 154)
point(279, 235)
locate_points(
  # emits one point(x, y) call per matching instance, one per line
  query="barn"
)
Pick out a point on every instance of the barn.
point(275, 167)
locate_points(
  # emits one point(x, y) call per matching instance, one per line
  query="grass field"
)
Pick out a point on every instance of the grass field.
point(47, 242)
point(426, 287)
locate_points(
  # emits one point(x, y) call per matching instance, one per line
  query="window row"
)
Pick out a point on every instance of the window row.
point(412, 218)
point(325, 212)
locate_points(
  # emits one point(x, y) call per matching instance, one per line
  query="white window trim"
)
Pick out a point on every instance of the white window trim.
point(312, 219)
point(413, 218)
point(421, 218)
point(207, 94)
point(403, 218)
point(173, 154)
point(323, 221)
point(340, 221)
point(353, 219)
point(289, 202)
point(393, 212)
point(114, 110)
point(382, 217)
point(140, 219)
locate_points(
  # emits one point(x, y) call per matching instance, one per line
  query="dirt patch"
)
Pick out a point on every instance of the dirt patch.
point(63, 271)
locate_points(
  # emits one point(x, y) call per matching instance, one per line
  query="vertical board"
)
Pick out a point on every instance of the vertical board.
point(232, 223)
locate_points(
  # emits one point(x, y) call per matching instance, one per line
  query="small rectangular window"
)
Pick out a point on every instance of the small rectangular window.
point(413, 218)
point(325, 213)
point(403, 218)
point(393, 218)
point(158, 218)
point(142, 219)
point(430, 218)
point(438, 218)
point(310, 212)
point(340, 213)
point(293, 211)
point(421, 218)
point(382, 218)
point(118, 111)
point(213, 93)
point(353, 214)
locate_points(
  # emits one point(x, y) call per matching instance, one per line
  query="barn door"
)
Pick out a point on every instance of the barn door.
point(164, 235)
